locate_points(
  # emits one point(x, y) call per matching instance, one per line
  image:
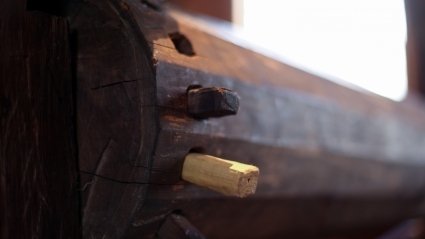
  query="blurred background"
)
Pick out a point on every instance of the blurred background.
point(360, 44)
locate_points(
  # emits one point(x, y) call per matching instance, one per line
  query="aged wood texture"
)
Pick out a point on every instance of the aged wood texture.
point(211, 102)
point(322, 148)
point(38, 162)
point(178, 227)
point(333, 160)
point(117, 123)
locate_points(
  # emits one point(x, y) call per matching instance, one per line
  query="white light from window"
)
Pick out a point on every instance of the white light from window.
point(358, 41)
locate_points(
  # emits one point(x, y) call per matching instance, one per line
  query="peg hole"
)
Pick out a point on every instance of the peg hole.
point(199, 150)
point(182, 44)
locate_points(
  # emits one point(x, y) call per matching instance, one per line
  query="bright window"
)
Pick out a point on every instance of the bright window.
point(359, 41)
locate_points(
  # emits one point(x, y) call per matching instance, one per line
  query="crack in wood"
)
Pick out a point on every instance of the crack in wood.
point(128, 182)
point(112, 84)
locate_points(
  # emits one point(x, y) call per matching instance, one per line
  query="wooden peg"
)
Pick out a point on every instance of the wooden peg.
point(224, 176)
point(209, 102)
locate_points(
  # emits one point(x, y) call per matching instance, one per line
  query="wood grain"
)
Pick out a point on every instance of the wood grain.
point(223, 176)
point(117, 120)
point(39, 195)
point(333, 160)
point(312, 139)
point(211, 102)
point(177, 226)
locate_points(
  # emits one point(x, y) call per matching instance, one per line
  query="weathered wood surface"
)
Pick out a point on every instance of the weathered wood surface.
point(332, 160)
point(38, 162)
point(176, 226)
point(117, 122)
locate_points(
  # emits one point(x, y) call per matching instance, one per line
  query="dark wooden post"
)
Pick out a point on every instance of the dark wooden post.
point(38, 166)
point(415, 48)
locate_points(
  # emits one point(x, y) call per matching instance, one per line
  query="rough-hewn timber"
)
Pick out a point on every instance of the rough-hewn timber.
point(333, 160)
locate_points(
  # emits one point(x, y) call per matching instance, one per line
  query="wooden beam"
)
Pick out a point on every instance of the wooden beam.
point(319, 145)
point(353, 160)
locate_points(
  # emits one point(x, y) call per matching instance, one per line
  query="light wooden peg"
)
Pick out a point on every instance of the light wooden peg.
point(224, 176)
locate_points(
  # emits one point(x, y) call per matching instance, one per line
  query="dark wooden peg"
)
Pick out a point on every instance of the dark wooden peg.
point(211, 102)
